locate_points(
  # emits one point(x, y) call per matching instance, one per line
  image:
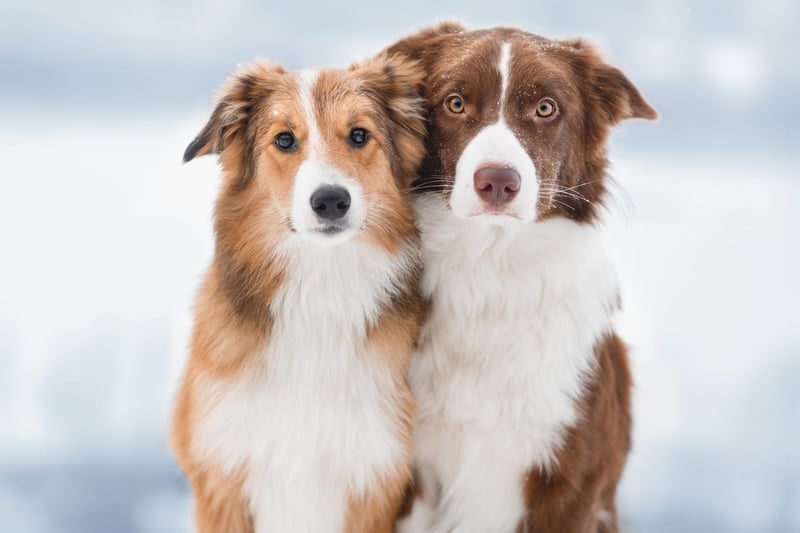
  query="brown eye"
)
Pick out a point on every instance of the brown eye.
point(454, 103)
point(546, 108)
point(358, 137)
point(285, 142)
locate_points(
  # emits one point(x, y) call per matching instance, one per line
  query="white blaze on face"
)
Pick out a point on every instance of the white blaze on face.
point(505, 61)
point(317, 171)
point(496, 145)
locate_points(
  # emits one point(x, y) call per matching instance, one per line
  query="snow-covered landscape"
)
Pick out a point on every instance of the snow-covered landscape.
point(105, 236)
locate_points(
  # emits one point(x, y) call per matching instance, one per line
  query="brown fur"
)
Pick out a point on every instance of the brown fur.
point(592, 96)
point(232, 315)
point(570, 148)
point(592, 458)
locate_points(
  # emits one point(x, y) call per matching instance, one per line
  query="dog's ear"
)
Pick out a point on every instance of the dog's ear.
point(417, 45)
point(394, 82)
point(619, 97)
point(235, 103)
point(614, 94)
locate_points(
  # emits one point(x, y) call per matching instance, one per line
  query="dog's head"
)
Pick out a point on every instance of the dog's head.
point(518, 123)
point(317, 155)
point(313, 161)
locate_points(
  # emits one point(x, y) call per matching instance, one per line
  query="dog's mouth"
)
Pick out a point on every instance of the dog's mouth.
point(496, 215)
point(491, 215)
point(332, 229)
point(327, 229)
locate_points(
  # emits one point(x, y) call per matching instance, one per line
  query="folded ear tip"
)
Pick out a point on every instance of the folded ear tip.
point(191, 150)
point(647, 112)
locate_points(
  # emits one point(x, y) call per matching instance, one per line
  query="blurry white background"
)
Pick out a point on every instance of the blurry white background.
point(104, 236)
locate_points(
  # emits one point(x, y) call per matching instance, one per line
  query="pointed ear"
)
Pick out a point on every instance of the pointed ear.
point(395, 81)
point(616, 96)
point(234, 105)
point(415, 46)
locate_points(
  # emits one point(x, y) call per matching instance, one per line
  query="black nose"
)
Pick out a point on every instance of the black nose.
point(330, 202)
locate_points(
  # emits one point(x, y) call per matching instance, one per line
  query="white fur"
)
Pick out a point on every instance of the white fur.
point(316, 425)
point(605, 518)
point(516, 312)
point(495, 144)
point(503, 66)
point(316, 172)
point(311, 175)
point(307, 79)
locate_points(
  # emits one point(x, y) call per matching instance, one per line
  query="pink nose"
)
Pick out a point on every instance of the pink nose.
point(496, 186)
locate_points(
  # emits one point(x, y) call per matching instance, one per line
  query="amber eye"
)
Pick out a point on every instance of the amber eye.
point(285, 142)
point(454, 103)
point(546, 108)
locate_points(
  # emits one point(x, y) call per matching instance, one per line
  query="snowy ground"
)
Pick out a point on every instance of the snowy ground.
point(105, 236)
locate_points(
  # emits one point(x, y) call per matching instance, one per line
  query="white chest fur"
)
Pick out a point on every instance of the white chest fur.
point(516, 312)
point(316, 425)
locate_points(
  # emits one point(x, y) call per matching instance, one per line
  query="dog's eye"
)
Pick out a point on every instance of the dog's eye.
point(546, 108)
point(285, 142)
point(358, 137)
point(454, 104)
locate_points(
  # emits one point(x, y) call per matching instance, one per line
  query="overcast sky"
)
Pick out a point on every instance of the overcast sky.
point(723, 74)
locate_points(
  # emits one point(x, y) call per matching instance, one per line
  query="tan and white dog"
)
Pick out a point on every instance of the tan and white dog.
point(294, 414)
point(522, 385)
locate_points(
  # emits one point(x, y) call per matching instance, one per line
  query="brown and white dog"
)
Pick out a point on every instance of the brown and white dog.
point(294, 412)
point(521, 384)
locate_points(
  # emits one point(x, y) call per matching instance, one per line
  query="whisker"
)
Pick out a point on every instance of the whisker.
point(431, 187)
point(582, 184)
point(437, 182)
point(554, 189)
point(562, 203)
point(573, 195)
